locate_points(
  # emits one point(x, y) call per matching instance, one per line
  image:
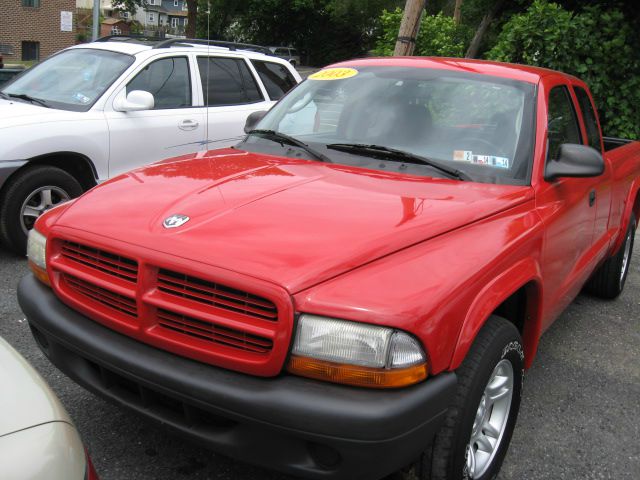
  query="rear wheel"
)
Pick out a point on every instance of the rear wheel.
point(608, 281)
point(475, 436)
point(30, 194)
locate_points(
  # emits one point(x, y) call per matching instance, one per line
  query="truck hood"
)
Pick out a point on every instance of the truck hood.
point(288, 221)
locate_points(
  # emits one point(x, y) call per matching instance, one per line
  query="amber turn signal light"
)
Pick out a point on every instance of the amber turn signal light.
point(40, 273)
point(355, 374)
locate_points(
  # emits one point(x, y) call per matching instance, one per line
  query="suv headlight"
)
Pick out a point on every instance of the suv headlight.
point(356, 354)
point(36, 252)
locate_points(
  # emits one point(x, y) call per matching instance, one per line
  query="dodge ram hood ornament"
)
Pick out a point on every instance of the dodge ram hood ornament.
point(175, 221)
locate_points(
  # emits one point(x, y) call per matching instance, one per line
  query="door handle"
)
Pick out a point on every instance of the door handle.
point(592, 198)
point(188, 125)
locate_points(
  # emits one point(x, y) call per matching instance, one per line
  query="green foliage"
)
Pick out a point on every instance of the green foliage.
point(325, 30)
point(597, 44)
point(438, 35)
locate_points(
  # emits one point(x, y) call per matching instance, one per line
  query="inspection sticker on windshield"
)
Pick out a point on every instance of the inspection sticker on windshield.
point(334, 74)
point(490, 160)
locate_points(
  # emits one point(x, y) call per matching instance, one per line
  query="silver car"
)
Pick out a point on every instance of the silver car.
point(37, 437)
point(288, 53)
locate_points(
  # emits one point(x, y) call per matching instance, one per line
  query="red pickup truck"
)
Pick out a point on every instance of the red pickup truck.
point(358, 285)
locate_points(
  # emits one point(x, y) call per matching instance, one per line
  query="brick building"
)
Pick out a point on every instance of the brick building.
point(33, 29)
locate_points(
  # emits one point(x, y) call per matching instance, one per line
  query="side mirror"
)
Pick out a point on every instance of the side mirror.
point(136, 100)
point(574, 161)
point(253, 119)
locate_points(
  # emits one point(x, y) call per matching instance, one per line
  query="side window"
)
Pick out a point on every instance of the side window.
point(276, 78)
point(590, 122)
point(563, 124)
point(167, 80)
point(227, 81)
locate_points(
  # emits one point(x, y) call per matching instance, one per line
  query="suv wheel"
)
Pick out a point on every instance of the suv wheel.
point(30, 194)
point(475, 435)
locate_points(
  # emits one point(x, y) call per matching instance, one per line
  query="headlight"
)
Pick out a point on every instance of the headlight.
point(357, 354)
point(36, 252)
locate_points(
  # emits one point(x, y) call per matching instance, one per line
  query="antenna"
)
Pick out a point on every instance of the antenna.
point(206, 100)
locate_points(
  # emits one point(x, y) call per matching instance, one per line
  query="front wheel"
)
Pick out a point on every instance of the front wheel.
point(31, 193)
point(475, 436)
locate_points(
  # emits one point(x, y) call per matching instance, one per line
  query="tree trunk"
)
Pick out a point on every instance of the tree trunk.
point(409, 26)
point(457, 12)
point(192, 15)
point(474, 47)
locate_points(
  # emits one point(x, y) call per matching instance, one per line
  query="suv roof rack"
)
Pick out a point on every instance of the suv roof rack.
point(214, 43)
point(129, 38)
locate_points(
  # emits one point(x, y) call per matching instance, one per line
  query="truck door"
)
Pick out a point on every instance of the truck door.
point(568, 208)
point(603, 186)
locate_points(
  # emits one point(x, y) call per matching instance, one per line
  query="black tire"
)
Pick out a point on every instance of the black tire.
point(608, 281)
point(23, 186)
point(446, 459)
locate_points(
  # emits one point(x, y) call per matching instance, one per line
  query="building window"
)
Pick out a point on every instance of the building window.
point(176, 3)
point(124, 15)
point(174, 22)
point(31, 3)
point(30, 50)
point(116, 31)
point(152, 18)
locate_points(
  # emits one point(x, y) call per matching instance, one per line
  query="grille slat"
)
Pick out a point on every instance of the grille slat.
point(213, 333)
point(102, 261)
point(103, 296)
point(210, 293)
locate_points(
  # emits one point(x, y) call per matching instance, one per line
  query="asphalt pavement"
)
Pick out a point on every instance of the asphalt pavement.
point(579, 419)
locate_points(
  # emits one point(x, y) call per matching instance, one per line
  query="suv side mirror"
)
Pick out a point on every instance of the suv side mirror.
point(253, 119)
point(575, 161)
point(136, 100)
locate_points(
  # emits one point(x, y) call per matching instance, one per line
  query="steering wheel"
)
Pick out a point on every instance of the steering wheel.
point(475, 140)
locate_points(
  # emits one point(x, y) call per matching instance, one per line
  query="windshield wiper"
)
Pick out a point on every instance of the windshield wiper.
point(29, 98)
point(284, 138)
point(389, 153)
point(5, 96)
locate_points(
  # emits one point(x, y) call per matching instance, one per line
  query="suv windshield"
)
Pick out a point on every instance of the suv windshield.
point(71, 80)
point(478, 124)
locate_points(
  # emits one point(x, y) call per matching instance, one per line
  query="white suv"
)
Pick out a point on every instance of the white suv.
point(96, 110)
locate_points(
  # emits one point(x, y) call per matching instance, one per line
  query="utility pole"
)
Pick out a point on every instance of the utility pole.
point(96, 19)
point(406, 42)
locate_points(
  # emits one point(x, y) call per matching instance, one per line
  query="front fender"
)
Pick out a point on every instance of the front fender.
point(525, 273)
point(8, 167)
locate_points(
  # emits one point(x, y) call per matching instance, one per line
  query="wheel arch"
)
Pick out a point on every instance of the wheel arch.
point(515, 295)
point(632, 206)
point(75, 164)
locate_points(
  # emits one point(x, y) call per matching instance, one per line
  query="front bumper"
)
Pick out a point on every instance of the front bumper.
point(299, 426)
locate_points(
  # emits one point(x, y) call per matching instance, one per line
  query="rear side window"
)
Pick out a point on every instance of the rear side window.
point(167, 80)
point(227, 81)
point(563, 123)
point(589, 114)
point(276, 78)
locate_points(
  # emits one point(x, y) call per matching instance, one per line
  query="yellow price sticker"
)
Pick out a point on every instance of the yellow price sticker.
point(334, 74)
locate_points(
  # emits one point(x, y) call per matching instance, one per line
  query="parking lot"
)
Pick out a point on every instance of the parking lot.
point(579, 416)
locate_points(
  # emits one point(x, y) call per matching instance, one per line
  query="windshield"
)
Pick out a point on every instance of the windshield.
point(72, 80)
point(478, 124)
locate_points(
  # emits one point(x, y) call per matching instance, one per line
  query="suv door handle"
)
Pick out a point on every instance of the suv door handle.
point(592, 198)
point(188, 125)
